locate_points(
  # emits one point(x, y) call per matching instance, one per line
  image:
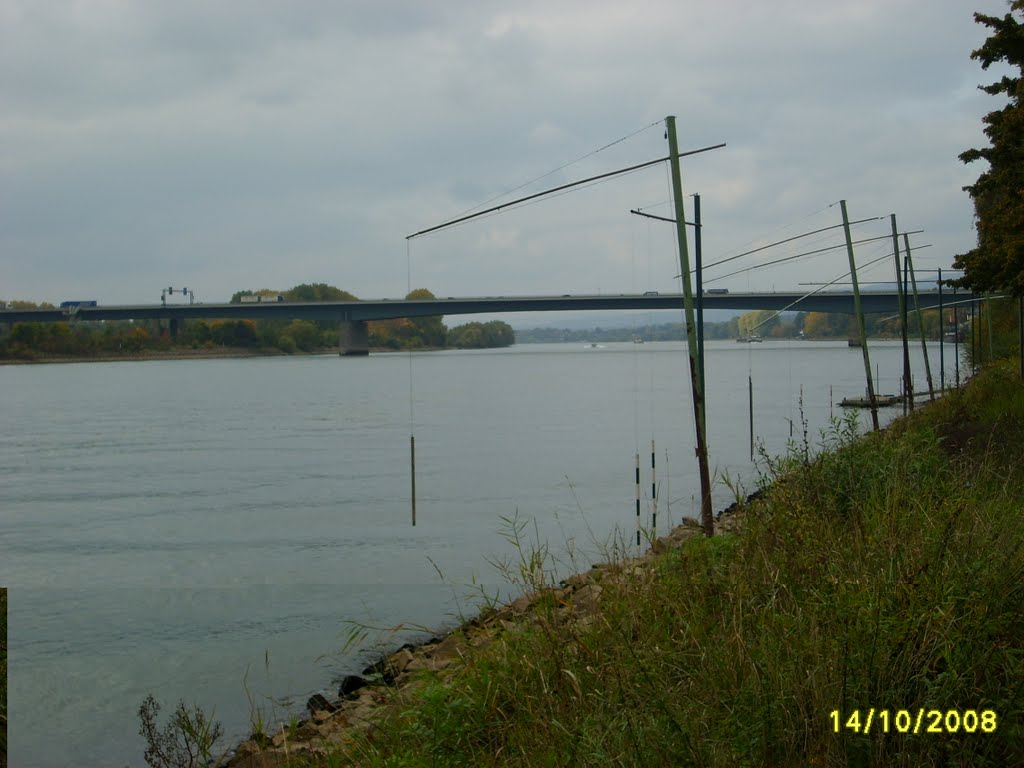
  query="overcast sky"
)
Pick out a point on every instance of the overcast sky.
point(251, 144)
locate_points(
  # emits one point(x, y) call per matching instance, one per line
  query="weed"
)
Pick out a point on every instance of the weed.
point(186, 741)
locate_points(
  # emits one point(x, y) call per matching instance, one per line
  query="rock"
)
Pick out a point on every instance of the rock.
point(319, 703)
point(585, 598)
point(449, 648)
point(350, 684)
point(521, 603)
point(397, 663)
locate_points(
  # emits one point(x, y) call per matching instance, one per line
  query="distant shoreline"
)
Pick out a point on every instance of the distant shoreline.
point(193, 354)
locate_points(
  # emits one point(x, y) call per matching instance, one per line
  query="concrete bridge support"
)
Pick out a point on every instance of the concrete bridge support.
point(353, 338)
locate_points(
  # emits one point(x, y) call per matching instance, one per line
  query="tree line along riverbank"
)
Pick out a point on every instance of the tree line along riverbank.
point(54, 342)
point(865, 608)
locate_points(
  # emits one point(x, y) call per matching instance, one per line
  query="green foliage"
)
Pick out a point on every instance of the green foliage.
point(995, 334)
point(318, 292)
point(425, 331)
point(3, 677)
point(480, 335)
point(997, 263)
point(186, 741)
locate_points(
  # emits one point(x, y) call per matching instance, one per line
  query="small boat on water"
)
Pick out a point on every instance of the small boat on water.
point(754, 339)
point(881, 401)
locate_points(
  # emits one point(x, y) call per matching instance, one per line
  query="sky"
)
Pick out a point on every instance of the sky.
point(248, 144)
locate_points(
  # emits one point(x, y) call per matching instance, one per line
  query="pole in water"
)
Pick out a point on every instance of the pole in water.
point(668, 492)
point(654, 495)
point(412, 466)
point(638, 501)
point(750, 403)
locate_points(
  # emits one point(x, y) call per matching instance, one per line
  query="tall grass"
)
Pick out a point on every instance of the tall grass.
point(3, 677)
point(887, 572)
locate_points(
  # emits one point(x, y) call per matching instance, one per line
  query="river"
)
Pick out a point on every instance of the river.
point(214, 530)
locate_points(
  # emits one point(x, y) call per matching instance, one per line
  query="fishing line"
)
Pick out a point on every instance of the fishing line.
point(559, 168)
point(412, 412)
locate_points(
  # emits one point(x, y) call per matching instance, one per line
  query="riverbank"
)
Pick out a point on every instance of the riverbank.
point(218, 353)
point(881, 576)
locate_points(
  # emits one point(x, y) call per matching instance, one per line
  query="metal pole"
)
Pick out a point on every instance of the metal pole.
point(654, 496)
point(638, 502)
point(698, 252)
point(987, 309)
point(860, 317)
point(920, 317)
point(956, 338)
point(901, 288)
point(942, 341)
point(750, 402)
point(974, 345)
point(706, 515)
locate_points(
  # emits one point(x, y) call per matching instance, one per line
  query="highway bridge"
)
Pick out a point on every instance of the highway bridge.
point(352, 316)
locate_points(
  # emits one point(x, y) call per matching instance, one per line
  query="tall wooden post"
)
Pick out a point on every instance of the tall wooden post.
point(706, 516)
point(908, 386)
point(860, 317)
point(920, 317)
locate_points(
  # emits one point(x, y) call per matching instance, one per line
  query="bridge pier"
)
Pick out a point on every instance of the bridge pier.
point(353, 338)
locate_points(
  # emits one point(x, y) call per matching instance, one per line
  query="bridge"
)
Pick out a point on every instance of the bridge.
point(352, 316)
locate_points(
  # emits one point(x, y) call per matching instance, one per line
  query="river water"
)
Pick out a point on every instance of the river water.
point(216, 530)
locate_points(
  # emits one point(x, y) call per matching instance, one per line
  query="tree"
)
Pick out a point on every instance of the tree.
point(997, 262)
point(482, 335)
point(426, 331)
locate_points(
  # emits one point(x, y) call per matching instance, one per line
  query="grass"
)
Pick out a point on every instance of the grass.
point(3, 677)
point(884, 573)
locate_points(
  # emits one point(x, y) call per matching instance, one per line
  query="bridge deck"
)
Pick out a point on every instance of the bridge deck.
point(385, 309)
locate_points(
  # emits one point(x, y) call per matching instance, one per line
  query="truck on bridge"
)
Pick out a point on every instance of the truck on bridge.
point(77, 304)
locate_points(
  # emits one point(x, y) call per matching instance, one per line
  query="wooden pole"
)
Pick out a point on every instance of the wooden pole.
point(860, 317)
point(654, 496)
point(706, 515)
point(920, 317)
point(908, 386)
point(638, 501)
point(412, 465)
point(750, 401)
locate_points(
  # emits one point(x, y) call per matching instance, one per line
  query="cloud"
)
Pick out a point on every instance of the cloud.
point(271, 143)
